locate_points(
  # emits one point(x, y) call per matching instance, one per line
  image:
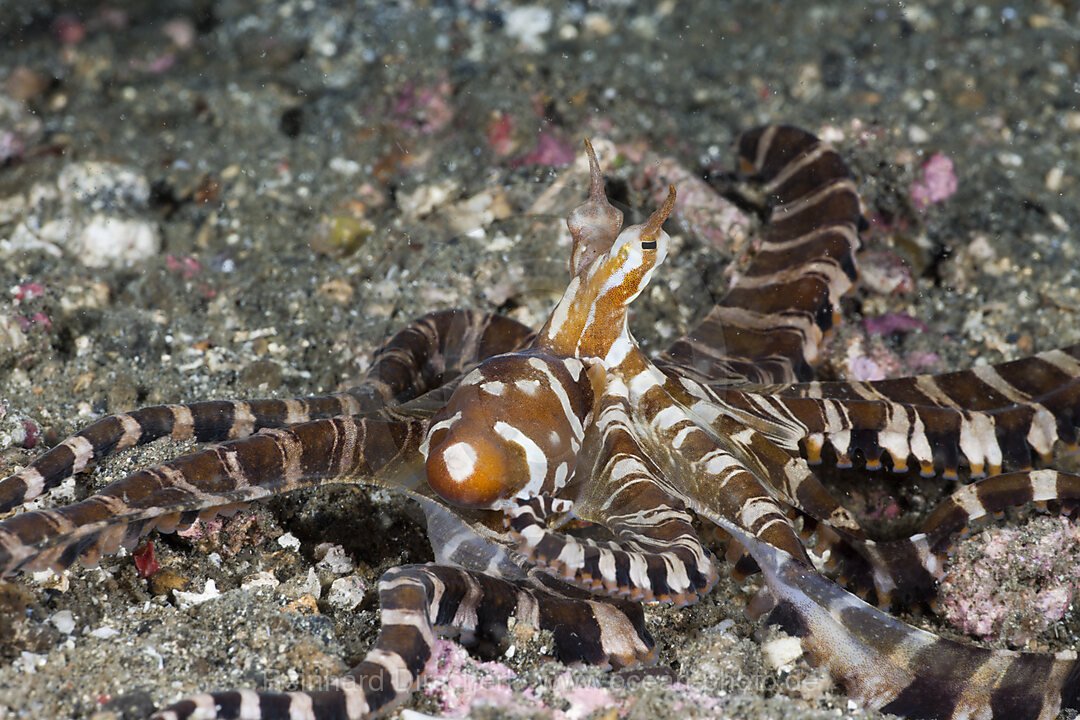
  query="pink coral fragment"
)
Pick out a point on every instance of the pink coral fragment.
point(937, 182)
point(921, 360)
point(33, 434)
point(187, 267)
point(29, 291)
point(38, 318)
point(425, 110)
point(1013, 583)
point(459, 682)
point(549, 150)
point(584, 701)
point(893, 323)
point(41, 319)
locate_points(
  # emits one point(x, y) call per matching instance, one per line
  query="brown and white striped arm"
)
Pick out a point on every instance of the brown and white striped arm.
point(640, 423)
point(416, 601)
point(426, 354)
point(903, 571)
point(202, 484)
point(907, 569)
point(888, 665)
point(770, 324)
point(438, 347)
point(993, 416)
point(661, 561)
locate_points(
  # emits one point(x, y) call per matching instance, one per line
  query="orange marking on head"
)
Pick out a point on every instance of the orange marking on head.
point(467, 469)
point(489, 444)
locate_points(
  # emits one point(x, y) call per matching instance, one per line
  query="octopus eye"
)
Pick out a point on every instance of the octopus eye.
point(648, 244)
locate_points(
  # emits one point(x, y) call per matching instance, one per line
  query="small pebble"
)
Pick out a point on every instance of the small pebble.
point(187, 599)
point(1054, 178)
point(289, 541)
point(102, 185)
point(260, 579)
point(165, 581)
point(31, 661)
point(305, 605)
point(346, 592)
point(526, 24)
point(918, 135)
point(104, 632)
point(110, 240)
point(333, 558)
point(301, 585)
point(782, 651)
point(64, 621)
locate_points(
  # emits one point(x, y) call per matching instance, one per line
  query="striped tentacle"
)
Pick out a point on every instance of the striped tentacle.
point(993, 495)
point(915, 564)
point(769, 326)
point(410, 607)
point(462, 538)
point(419, 358)
point(866, 568)
point(870, 569)
point(991, 416)
point(176, 493)
point(888, 665)
point(657, 556)
point(639, 421)
point(438, 347)
point(790, 477)
point(906, 570)
point(203, 421)
point(416, 601)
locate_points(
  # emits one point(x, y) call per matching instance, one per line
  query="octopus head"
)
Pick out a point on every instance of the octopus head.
point(513, 427)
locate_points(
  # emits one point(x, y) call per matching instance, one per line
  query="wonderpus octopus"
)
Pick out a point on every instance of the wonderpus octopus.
point(513, 442)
